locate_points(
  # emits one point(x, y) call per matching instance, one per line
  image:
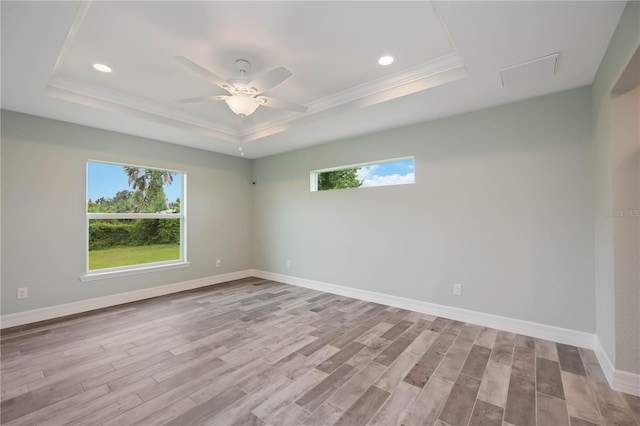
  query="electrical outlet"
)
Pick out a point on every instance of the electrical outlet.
point(457, 289)
point(288, 264)
point(22, 292)
point(218, 263)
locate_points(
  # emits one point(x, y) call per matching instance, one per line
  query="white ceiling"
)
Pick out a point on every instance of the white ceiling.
point(448, 57)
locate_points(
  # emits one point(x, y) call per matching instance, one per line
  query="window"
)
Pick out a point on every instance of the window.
point(399, 171)
point(135, 218)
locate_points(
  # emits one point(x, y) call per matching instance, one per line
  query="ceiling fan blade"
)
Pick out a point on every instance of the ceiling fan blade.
point(268, 80)
point(203, 99)
point(202, 72)
point(281, 104)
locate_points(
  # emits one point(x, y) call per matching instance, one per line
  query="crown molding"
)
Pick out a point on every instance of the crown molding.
point(416, 79)
point(423, 76)
point(411, 75)
point(86, 94)
point(78, 19)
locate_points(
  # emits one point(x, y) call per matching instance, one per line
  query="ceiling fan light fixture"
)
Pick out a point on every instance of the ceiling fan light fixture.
point(242, 105)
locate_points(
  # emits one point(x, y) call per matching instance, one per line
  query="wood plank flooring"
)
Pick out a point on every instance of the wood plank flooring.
point(257, 352)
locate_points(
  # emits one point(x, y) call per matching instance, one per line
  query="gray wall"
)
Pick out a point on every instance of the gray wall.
point(502, 204)
point(43, 205)
point(625, 135)
point(617, 298)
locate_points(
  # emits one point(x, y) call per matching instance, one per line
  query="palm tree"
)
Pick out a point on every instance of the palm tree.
point(141, 181)
point(149, 183)
point(136, 181)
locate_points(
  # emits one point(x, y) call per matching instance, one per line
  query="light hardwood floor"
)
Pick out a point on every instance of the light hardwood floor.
point(255, 352)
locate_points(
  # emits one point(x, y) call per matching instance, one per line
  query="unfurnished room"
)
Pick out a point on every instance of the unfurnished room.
point(320, 213)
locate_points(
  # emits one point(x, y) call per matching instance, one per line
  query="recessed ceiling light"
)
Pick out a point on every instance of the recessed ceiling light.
point(385, 60)
point(101, 68)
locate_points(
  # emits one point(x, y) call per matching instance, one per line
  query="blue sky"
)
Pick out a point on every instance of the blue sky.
point(382, 174)
point(105, 180)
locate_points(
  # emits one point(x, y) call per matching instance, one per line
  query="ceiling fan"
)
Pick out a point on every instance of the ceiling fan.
point(245, 96)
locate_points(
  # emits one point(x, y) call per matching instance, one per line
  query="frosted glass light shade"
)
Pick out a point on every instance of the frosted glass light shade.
point(242, 105)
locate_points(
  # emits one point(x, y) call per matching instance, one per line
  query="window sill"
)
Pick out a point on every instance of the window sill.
point(135, 270)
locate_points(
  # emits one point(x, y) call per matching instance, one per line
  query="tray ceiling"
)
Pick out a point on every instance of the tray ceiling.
point(447, 57)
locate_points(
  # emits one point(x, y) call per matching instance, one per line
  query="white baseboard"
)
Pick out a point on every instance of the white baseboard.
point(605, 362)
point(542, 331)
point(41, 314)
point(619, 380)
point(626, 382)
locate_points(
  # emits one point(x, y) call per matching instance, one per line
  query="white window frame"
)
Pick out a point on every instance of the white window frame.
point(97, 274)
point(313, 175)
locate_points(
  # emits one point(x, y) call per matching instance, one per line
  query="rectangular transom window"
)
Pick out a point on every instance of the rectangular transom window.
point(398, 171)
point(135, 217)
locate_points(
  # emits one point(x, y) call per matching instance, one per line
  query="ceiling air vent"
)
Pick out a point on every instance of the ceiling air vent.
point(532, 71)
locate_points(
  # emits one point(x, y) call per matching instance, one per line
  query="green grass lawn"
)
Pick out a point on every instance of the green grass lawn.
point(123, 256)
